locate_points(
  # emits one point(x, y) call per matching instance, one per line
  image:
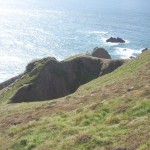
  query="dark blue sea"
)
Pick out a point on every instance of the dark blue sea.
point(32, 29)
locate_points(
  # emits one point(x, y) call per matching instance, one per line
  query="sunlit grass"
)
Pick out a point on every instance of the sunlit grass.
point(102, 115)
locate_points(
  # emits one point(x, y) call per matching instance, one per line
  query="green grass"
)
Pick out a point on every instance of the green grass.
point(77, 56)
point(101, 115)
point(104, 126)
point(128, 70)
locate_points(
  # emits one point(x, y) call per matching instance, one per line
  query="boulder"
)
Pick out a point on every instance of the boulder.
point(100, 53)
point(115, 40)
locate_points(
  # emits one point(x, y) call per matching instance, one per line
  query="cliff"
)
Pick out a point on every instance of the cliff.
point(110, 112)
point(50, 79)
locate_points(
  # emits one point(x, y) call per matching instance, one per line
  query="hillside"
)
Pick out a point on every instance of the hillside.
point(111, 112)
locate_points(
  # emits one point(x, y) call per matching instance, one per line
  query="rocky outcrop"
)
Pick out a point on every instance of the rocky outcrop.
point(100, 53)
point(145, 49)
point(57, 79)
point(9, 82)
point(115, 40)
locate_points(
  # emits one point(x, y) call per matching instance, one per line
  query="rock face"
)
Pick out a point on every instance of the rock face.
point(100, 53)
point(57, 79)
point(111, 66)
point(115, 40)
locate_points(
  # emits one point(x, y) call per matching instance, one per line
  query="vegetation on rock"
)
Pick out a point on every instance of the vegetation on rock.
point(49, 79)
point(111, 112)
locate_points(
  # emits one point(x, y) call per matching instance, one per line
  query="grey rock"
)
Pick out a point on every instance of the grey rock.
point(115, 40)
point(100, 53)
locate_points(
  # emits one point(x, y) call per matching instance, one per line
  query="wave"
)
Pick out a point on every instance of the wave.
point(98, 32)
point(102, 36)
point(92, 32)
point(127, 42)
point(126, 52)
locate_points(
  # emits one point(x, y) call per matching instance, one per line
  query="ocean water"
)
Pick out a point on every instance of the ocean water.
point(33, 29)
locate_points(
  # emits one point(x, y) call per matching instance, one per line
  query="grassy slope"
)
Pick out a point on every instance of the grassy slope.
point(110, 112)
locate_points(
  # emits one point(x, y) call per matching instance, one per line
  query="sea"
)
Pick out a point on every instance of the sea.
point(33, 29)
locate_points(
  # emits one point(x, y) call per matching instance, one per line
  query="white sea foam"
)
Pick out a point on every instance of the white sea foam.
point(126, 52)
point(127, 41)
point(102, 37)
point(95, 32)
